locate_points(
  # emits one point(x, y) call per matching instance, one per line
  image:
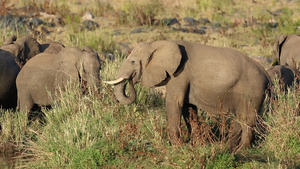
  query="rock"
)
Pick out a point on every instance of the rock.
point(191, 21)
point(216, 25)
point(125, 48)
point(140, 30)
point(35, 22)
point(88, 16)
point(15, 23)
point(203, 21)
point(198, 31)
point(51, 19)
point(90, 25)
point(264, 61)
point(108, 57)
point(169, 21)
point(276, 13)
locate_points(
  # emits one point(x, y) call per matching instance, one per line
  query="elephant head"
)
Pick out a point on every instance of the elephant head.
point(79, 65)
point(24, 48)
point(151, 64)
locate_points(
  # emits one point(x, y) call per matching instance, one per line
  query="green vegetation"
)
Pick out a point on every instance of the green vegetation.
point(139, 14)
point(94, 131)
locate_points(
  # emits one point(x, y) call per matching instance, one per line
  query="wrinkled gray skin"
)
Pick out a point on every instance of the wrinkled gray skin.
point(285, 74)
point(8, 74)
point(287, 50)
point(200, 75)
point(24, 48)
point(47, 72)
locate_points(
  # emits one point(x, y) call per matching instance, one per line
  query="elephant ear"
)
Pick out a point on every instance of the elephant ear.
point(277, 46)
point(67, 66)
point(10, 40)
point(30, 47)
point(163, 61)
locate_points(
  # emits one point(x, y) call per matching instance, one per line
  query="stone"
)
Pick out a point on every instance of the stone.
point(169, 21)
point(35, 22)
point(90, 25)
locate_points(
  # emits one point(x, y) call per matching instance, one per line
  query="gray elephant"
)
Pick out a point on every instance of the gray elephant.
point(51, 47)
point(287, 51)
point(24, 48)
point(197, 75)
point(46, 72)
point(9, 70)
point(285, 74)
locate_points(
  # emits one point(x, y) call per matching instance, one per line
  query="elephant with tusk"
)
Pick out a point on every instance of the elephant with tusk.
point(198, 75)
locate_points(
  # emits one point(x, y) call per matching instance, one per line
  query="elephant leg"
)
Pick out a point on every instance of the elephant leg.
point(174, 121)
point(190, 115)
point(234, 135)
point(175, 101)
point(246, 137)
point(246, 120)
point(25, 104)
point(187, 117)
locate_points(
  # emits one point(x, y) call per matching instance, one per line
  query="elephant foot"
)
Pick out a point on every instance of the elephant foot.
point(240, 139)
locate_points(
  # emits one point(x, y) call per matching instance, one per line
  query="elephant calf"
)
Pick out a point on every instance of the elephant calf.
point(287, 50)
point(195, 74)
point(45, 72)
point(285, 74)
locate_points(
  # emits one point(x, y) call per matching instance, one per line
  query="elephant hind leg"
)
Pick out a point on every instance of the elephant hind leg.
point(246, 137)
point(243, 126)
point(240, 136)
point(234, 136)
point(25, 103)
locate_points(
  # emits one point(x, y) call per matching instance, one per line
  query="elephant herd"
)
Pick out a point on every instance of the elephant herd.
point(209, 78)
point(30, 70)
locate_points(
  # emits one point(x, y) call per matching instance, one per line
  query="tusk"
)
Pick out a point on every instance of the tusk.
point(115, 81)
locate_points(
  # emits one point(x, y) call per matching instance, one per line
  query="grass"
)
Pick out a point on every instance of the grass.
point(94, 131)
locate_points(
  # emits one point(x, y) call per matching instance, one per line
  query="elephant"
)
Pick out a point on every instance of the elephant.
point(285, 74)
point(286, 50)
point(9, 70)
point(46, 73)
point(198, 75)
point(24, 48)
point(51, 47)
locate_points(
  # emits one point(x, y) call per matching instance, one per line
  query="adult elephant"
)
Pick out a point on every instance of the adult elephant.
point(46, 73)
point(51, 47)
point(24, 48)
point(9, 70)
point(287, 51)
point(285, 74)
point(195, 74)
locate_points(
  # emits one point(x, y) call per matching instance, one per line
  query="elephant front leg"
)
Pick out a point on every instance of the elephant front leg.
point(174, 112)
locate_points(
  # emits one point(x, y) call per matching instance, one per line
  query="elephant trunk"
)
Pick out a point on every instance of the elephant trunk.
point(119, 92)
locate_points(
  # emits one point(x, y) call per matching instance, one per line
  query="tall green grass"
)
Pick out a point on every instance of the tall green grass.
point(94, 131)
point(139, 14)
point(282, 142)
